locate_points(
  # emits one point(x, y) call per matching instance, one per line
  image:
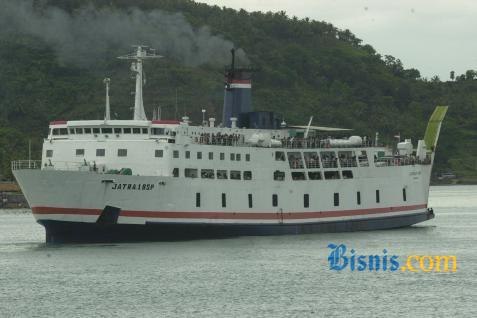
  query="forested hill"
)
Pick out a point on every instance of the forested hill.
point(54, 55)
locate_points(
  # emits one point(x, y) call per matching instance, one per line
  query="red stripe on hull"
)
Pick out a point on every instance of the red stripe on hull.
point(231, 215)
point(237, 81)
point(58, 122)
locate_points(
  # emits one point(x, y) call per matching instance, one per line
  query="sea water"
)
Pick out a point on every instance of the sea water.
point(275, 276)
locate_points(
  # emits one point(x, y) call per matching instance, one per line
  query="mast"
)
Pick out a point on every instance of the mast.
point(107, 114)
point(136, 66)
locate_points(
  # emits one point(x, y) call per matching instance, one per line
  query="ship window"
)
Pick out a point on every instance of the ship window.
point(347, 159)
point(336, 199)
point(221, 174)
point(234, 175)
point(328, 159)
point(136, 130)
point(237, 157)
point(190, 173)
point(95, 130)
point(279, 156)
point(117, 130)
point(222, 156)
point(197, 200)
point(207, 173)
point(298, 176)
point(247, 157)
point(358, 198)
point(278, 175)
point(107, 130)
point(332, 175)
point(87, 130)
point(100, 152)
point(247, 175)
point(347, 174)
point(175, 154)
point(158, 131)
point(63, 131)
point(175, 172)
point(306, 200)
point(250, 202)
point(187, 154)
point(56, 132)
point(312, 161)
point(49, 153)
point(275, 200)
point(377, 196)
point(314, 175)
point(224, 200)
point(79, 152)
point(79, 131)
point(159, 153)
point(404, 196)
point(122, 152)
point(144, 130)
point(295, 161)
point(199, 155)
point(211, 155)
point(363, 159)
point(232, 156)
point(72, 131)
point(127, 130)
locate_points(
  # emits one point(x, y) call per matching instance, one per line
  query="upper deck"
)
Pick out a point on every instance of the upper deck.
point(181, 132)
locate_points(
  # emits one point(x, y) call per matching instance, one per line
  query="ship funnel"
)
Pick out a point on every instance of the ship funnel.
point(238, 91)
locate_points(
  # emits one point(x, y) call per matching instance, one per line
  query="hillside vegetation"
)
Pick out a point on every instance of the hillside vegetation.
point(305, 68)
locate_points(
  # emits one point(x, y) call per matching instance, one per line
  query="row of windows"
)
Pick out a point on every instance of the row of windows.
point(210, 174)
point(159, 153)
point(336, 197)
point(306, 199)
point(175, 154)
point(99, 153)
point(329, 159)
point(224, 200)
point(313, 175)
point(107, 130)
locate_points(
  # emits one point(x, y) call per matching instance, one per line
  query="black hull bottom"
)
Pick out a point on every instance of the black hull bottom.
point(78, 232)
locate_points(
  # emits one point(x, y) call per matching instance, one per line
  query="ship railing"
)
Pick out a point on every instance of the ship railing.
point(74, 166)
point(401, 161)
point(296, 164)
point(312, 164)
point(330, 163)
point(238, 140)
point(348, 163)
point(363, 162)
point(220, 139)
point(26, 164)
point(318, 143)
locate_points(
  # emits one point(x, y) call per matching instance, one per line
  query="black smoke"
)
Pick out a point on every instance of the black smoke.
point(89, 34)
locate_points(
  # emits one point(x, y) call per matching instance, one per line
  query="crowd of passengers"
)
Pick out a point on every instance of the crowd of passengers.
point(220, 139)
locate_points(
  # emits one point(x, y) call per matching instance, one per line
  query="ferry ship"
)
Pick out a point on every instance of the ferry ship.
point(252, 174)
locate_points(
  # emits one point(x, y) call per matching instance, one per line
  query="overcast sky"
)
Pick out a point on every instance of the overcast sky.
point(434, 36)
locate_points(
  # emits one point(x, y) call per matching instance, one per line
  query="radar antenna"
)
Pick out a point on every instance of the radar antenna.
point(136, 66)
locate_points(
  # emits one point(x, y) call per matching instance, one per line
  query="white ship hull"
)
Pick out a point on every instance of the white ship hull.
point(74, 206)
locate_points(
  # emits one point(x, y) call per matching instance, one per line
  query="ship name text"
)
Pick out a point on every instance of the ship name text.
point(133, 186)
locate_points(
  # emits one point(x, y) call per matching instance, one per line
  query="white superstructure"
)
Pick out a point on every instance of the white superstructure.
point(173, 178)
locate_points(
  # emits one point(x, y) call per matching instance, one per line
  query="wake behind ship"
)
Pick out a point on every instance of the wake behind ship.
point(141, 180)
